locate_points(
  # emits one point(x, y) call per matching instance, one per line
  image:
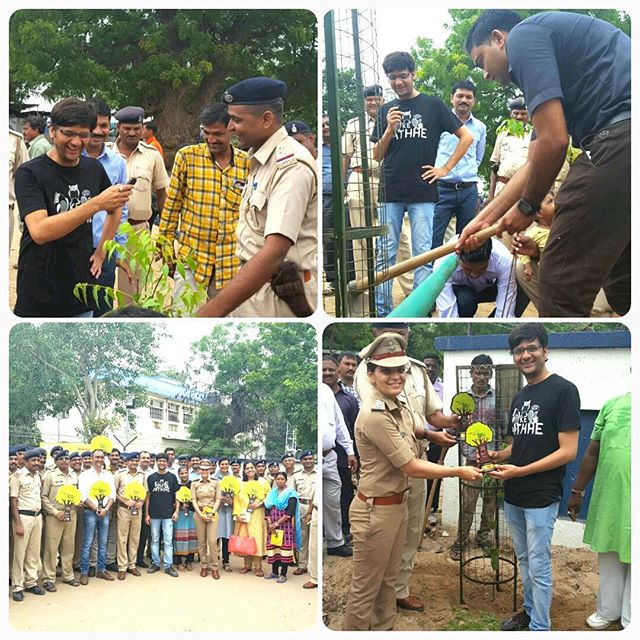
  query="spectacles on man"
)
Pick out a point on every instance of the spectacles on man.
point(70, 133)
point(398, 76)
point(532, 348)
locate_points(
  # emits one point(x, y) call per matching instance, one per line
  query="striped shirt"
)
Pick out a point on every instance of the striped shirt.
point(205, 200)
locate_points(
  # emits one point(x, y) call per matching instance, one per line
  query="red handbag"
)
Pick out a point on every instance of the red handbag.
point(242, 545)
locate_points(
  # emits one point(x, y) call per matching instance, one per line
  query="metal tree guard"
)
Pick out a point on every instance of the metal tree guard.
point(350, 48)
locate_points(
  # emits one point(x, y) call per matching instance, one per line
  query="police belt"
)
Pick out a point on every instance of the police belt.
point(395, 498)
point(458, 186)
point(24, 512)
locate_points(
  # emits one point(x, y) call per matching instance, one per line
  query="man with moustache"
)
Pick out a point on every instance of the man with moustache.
point(304, 483)
point(145, 164)
point(277, 232)
point(59, 534)
point(116, 169)
point(58, 193)
point(203, 199)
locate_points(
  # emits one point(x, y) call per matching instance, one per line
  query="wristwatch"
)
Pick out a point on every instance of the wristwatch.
point(527, 208)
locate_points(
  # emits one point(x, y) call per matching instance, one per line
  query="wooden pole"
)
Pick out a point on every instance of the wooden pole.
point(420, 260)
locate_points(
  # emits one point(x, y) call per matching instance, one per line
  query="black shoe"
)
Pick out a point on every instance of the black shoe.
point(153, 568)
point(113, 566)
point(92, 572)
point(18, 596)
point(36, 590)
point(143, 564)
point(49, 586)
point(518, 622)
point(344, 551)
point(171, 572)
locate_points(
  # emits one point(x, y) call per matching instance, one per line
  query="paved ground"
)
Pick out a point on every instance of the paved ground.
point(159, 603)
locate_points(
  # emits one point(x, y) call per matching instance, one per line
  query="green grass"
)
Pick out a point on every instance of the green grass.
point(464, 620)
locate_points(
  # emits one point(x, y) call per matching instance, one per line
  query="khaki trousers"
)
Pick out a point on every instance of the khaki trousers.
point(128, 537)
point(26, 553)
point(313, 548)
point(208, 546)
point(416, 503)
point(59, 537)
point(112, 540)
point(303, 552)
point(77, 549)
point(378, 535)
point(357, 218)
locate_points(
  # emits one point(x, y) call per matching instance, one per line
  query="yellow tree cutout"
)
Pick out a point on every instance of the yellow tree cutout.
point(479, 435)
point(463, 405)
point(99, 491)
point(183, 496)
point(101, 442)
point(135, 491)
point(69, 496)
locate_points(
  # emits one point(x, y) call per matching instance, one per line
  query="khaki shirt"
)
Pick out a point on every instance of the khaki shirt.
point(146, 164)
point(386, 441)
point(510, 152)
point(27, 488)
point(351, 145)
point(419, 395)
point(124, 478)
point(280, 198)
point(50, 485)
point(305, 484)
point(18, 155)
point(206, 494)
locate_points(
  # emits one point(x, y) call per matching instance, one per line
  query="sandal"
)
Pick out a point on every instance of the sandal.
point(245, 570)
point(181, 567)
point(215, 575)
point(189, 566)
point(259, 573)
point(227, 568)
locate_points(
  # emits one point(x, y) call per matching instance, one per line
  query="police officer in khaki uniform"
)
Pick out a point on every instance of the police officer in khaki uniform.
point(277, 231)
point(386, 441)
point(59, 534)
point(129, 515)
point(304, 483)
point(18, 155)
point(146, 165)
point(206, 493)
point(423, 402)
point(26, 505)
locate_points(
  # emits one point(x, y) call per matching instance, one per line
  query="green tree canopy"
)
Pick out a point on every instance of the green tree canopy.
point(56, 367)
point(172, 62)
point(256, 379)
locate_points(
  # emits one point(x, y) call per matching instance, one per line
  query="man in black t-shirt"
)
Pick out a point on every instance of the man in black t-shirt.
point(544, 422)
point(575, 73)
point(406, 137)
point(162, 510)
point(58, 193)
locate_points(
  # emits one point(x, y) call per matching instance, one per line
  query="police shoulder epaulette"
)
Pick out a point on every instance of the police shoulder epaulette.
point(285, 157)
point(378, 405)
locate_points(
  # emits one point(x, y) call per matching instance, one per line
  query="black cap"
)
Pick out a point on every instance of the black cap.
point(372, 90)
point(255, 91)
point(517, 103)
point(31, 453)
point(130, 115)
point(56, 447)
point(305, 454)
point(287, 455)
point(85, 454)
point(297, 126)
point(182, 456)
point(75, 454)
point(20, 448)
point(60, 453)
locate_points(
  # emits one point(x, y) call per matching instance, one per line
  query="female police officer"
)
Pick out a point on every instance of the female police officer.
point(386, 442)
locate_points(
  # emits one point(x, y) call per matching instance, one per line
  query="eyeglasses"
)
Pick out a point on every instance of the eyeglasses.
point(398, 76)
point(70, 133)
point(532, 348)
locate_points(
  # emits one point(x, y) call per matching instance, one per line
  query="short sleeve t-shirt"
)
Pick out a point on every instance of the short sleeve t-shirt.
point(583, 61)
point(162, 494)
point(538, 413)
point(424, 119)
point(47, 273)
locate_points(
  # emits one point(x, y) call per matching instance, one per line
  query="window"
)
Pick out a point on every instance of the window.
point(172, 411)
point(157, 425)
point(156, 409)
point(173, 427)
point(187, 414)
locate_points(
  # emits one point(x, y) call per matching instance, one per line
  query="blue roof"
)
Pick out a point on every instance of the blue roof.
point(167, 388)
point(569, 340)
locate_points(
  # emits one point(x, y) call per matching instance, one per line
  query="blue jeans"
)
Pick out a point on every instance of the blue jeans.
point(91, 521)
point(421, 220)
point(462, 203)
point(166, 524)
point(531, 531)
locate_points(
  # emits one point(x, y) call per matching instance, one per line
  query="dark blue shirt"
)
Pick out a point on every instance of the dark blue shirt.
point(583, 61)
point(326, 169)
